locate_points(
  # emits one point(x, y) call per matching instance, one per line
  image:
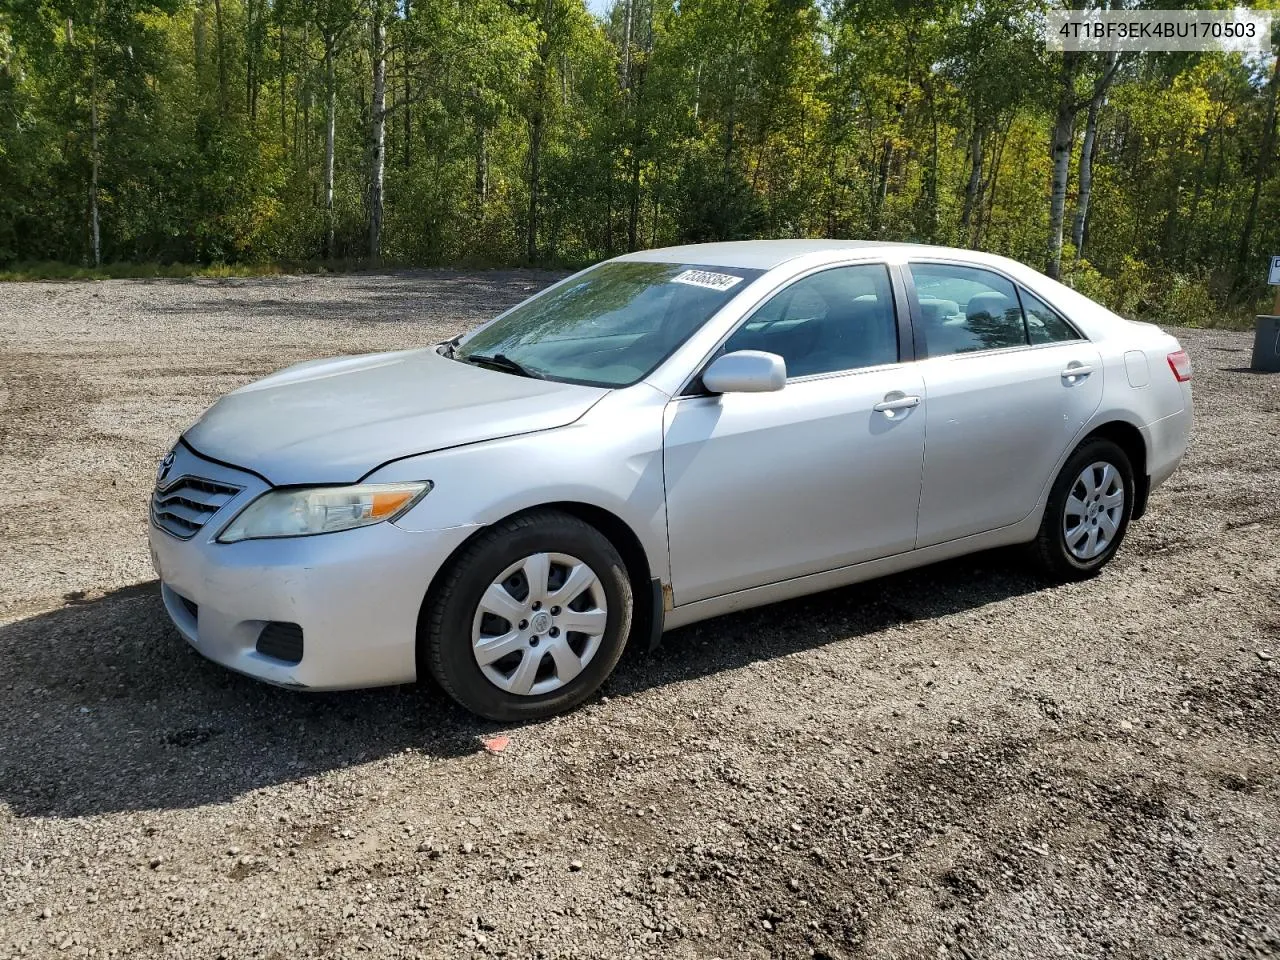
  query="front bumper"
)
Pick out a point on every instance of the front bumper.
point(356, 595)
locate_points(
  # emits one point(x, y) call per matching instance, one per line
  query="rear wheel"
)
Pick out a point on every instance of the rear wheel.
point(1088, 511)
point(531, 619)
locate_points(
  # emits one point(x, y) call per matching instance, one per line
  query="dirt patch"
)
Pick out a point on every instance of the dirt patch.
point(955, 762)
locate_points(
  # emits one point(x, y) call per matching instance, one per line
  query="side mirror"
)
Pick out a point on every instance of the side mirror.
point(746, 371)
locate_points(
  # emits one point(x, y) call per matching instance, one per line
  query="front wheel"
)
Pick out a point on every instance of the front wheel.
point(1088, 511)
point(530, 619)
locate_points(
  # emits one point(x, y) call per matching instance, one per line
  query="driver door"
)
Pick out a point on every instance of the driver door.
point(763, 487)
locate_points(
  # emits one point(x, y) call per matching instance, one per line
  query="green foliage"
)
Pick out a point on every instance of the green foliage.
point(530, 128)
point(1082, 276)
point(716, 204)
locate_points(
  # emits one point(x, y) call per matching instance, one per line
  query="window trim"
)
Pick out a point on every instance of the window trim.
point(692, 386)
point(917, 314)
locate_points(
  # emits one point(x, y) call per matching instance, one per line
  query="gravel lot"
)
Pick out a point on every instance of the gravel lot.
point(958, 762)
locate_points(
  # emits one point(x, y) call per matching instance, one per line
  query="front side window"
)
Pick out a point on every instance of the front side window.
point(610, 327)
point(839, 319)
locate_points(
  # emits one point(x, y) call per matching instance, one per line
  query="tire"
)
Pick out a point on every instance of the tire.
point(1075, 543)
point(527, 654)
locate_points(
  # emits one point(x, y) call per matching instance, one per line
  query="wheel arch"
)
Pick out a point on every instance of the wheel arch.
point(616, 530)
point(1129, 439)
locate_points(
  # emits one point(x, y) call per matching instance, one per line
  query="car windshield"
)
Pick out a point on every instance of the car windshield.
point(610, 327)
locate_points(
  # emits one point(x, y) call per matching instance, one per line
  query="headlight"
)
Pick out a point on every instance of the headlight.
point(302, 512)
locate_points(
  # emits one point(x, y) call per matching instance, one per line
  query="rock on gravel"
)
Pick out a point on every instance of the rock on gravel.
point(957, 762)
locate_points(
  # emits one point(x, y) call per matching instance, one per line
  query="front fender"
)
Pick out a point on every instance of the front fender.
point(611, 459)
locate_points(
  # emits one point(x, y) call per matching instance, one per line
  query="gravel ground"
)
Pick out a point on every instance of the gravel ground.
point(957, 762)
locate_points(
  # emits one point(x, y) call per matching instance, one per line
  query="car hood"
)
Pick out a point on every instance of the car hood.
point(332, 421)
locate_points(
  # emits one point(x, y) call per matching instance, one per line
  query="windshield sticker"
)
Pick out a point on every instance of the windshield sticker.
point(704, 278)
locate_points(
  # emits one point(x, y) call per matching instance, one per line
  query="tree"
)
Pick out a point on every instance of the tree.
point(1263, 165)
point(1085, 180)
point(332, 20)
point(989, 53)
point(533, 131)
point(1074, 67)
point(555, 22)
point(378, 124)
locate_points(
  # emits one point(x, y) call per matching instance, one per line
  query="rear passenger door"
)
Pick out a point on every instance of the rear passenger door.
point(1011, 385)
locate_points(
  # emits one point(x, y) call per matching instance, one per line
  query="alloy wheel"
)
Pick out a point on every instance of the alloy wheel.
point(1093, 512)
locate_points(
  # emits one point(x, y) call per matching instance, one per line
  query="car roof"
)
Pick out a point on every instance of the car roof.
point(1095, 319)
point(767, 254)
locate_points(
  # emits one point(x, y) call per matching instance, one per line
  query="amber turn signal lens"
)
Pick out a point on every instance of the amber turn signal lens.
point(386, 504)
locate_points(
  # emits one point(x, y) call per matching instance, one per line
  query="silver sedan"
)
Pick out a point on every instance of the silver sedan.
point(659, 439)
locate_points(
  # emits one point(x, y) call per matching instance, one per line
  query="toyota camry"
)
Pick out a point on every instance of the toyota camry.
point(661, 438)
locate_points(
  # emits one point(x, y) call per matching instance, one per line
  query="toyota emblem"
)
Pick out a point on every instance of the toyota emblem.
point(165, 466)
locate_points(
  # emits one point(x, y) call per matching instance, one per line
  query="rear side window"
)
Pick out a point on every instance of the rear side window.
point(964, 309)
point(835, 320)
point(1044, 324)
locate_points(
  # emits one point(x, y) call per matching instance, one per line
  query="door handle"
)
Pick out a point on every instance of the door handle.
point(1076, 370)
point(901, 403)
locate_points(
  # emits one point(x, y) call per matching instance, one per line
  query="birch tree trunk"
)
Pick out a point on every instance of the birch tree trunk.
point(284, 86)
point(1087, 151)
point(222, 56)
point(250, 61)
point(633, 92)
point(732, 118)
point(1085, 187)
point(330, 122)
point(407, 8)
point(1060, 151)
point(535, 179)
point(537, 125)
point(378, 135)
point(95, 232)
point(931, 187)
point(626, 46)
point(303, 104)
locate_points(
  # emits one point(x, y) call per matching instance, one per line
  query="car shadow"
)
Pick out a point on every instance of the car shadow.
point(103, 708)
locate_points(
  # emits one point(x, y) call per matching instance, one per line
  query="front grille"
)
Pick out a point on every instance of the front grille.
point(283, 641)
point(188, 503)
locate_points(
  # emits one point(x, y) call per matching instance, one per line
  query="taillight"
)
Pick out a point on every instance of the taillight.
point(1180, 364)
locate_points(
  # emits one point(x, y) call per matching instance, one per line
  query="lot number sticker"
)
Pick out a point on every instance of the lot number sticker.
point(704, 278)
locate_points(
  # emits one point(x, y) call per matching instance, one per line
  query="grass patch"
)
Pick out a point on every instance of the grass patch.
point(53, 270)
point(1234, 318)
point(134, 271)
